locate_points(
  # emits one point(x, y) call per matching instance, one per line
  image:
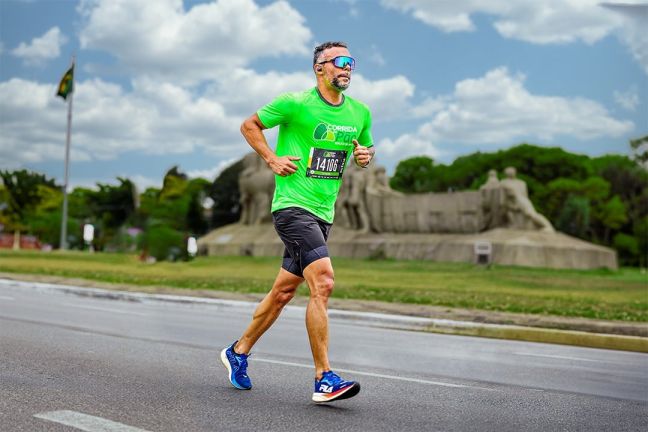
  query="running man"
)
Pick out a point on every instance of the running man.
point(320, 129)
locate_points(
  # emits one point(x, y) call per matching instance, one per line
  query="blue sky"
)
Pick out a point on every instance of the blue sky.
point(167, 82)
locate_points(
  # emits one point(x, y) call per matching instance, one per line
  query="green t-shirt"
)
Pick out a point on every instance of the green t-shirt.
point(321, 135)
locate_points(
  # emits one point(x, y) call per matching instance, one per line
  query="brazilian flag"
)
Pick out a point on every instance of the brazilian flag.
point(66, 86)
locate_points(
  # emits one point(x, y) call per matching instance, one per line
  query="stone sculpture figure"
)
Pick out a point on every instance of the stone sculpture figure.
point(518, 209)
point(256, 186)
point(381, 213)
point(355, 204)
point(342, 218)
point(491, 195)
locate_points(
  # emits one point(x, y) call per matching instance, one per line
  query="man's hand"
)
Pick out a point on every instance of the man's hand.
point(361, 154)
point(283, 165)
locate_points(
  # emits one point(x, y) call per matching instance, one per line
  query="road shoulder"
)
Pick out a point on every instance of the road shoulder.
point(537, 328)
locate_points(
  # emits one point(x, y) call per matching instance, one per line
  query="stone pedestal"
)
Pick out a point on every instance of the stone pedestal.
point(509, 247)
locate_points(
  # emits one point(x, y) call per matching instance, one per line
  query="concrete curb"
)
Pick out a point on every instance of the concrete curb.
point(401, 322)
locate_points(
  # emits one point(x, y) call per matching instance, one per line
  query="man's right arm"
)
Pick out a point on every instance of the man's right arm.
point(252, 130)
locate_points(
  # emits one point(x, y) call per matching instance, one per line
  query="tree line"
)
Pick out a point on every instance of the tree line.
point(599, 199)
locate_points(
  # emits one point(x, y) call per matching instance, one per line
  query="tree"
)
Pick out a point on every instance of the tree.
point(197, 190)
point(43, 219)
point(613, 216)
point(111, 206)
point(225, 193)
point(172, 213)
point(414, 175)
point(574, 218)
point(22, 193)
point(628, 180)
point(640, 232)
point(639, 147)
point(4, 206)
point(556, 194)
point(628, 248)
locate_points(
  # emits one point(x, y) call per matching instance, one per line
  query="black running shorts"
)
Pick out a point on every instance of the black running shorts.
point(304, 236)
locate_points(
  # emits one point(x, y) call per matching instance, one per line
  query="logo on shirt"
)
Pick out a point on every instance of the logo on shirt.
point(335, 133)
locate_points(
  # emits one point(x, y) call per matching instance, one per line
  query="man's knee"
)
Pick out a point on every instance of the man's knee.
point(320, 277)
point(283, 296)
point(323, 285)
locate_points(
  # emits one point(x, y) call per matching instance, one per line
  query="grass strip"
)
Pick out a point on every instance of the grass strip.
point(599, 294)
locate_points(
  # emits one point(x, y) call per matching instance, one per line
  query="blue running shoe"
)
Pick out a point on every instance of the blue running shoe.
point(331, 388)
point(236, 365)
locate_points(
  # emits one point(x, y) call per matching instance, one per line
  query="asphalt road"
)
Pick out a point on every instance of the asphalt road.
point(110, 365)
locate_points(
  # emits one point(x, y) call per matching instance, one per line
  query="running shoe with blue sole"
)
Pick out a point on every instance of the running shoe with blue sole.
point(236, 365)
point(332, 388)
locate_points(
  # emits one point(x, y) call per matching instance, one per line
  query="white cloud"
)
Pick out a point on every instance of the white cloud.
point(163, 39)
point(155, 118)
point(549, 21)
point(541, 22)
point(633, 32)
point(40, 49)
point(388, 99)
point(628, 99)
point(375, 56)
point(407, 145)
point(428, 107)
point(497, 109)
point(243, 91)
point(352, 5)
point(211, 173)
point(142, 182)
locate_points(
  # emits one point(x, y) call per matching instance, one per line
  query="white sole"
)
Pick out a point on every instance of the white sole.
point(326, 397)
point(223, 357)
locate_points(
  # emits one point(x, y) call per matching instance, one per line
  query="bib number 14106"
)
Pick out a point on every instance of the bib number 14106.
point(326, 164)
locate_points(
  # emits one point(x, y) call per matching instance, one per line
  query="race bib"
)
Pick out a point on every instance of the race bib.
point(326, 164)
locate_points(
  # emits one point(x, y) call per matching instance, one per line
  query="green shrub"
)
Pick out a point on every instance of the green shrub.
point(164, 243)
point(628, 249)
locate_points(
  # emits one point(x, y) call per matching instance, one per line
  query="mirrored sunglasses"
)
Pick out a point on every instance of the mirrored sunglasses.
point(341, 62)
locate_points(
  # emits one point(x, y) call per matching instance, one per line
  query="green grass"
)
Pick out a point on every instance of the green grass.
point(601, 294)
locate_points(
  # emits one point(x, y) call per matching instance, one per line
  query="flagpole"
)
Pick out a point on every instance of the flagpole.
point(67, 169)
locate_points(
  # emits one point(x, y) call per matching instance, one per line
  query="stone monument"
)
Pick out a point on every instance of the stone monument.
point(256, 186)
point(372, 220)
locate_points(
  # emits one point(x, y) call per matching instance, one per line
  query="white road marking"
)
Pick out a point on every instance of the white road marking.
point(392, 377)
point(86, 422)
point(6, 298)
point(558, 357)
point(117, 311)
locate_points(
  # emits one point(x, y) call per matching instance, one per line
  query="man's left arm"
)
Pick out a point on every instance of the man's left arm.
point(361, 154)
point(364, 154)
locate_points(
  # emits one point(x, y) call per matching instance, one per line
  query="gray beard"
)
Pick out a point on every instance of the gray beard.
point(338, 85)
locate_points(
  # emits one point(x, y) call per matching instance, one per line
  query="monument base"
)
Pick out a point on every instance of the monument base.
point(508, 247)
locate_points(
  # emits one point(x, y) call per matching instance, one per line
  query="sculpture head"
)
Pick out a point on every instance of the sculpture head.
point(510, 172)
point(492, 174)
point(250, 160)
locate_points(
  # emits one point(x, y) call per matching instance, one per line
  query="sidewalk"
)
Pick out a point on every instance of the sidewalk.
point(617, 335)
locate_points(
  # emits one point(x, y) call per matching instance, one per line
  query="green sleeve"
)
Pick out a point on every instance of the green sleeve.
point(365, 137)
point(279, 111)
